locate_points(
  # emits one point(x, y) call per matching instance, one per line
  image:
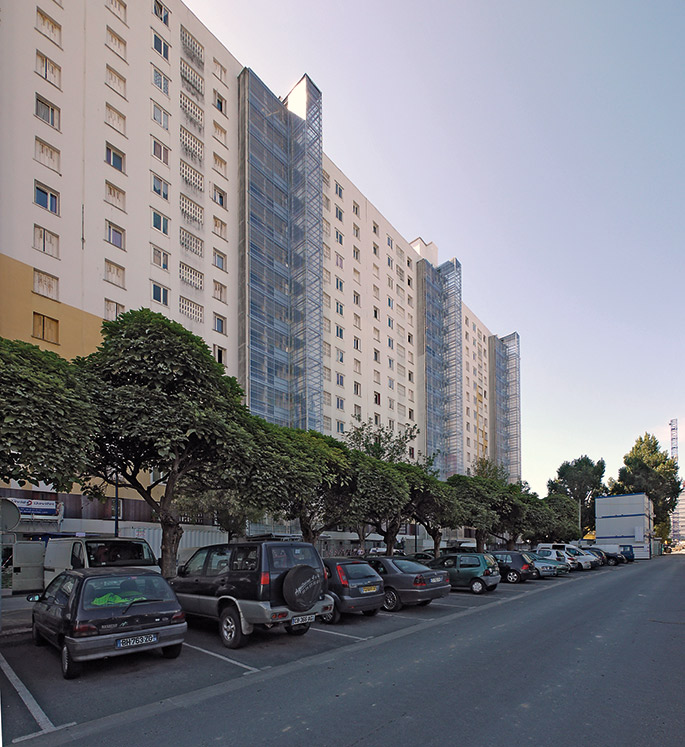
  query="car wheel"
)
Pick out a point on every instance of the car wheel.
point(513, 577)
point(391, 601)
point(231, 633)
point(612, 561)
point(371, 613)
point(172, 652)
point(332, 617)
point(297, 629)
point(477, 586)
point(70, 668)
point(425, 603)
point(36, 636)
point(536, 574)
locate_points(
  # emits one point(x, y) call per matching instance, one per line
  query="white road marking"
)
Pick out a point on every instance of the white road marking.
point(344, 635)
point(223, 658)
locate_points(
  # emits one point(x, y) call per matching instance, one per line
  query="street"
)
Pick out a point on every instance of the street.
point(596, 657)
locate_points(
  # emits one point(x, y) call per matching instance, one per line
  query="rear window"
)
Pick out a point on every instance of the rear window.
point(527, 557)
point(409, 566)
point(359, 570)
point(283, 557)
point(489, 560)
point(110, 552)
point(120, 591)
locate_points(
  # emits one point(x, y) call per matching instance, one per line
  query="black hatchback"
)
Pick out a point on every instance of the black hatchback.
point(94, 613)
point(354, 586)
point(514, 566)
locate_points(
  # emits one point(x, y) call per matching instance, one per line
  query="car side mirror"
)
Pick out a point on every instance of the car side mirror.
point(33, 597)
point(182, 570)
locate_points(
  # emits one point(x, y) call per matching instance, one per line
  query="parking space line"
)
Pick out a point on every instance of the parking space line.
point(344, 635)
point(405, 617)
point(224, 658)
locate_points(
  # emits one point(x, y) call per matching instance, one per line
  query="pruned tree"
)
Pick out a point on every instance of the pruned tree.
point(582, 481)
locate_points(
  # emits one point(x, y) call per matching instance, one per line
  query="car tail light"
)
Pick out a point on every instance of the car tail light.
point(279, 615)
point(86, 629)
point(525, 567)
point(487, 572)
point(179, 617)
point(265, 579)
point(419, 580)
point(342, 576)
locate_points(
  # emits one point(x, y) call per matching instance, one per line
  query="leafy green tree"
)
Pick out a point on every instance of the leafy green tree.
point(472, 496)
point(163, 407)
point(581, 480)
point(648, 469)
point(228, 508)
point(46, 417)
point(552, 519)
point(381, 442)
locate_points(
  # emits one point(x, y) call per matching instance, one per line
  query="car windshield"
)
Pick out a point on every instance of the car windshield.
point(409, 566)
point(119, 552)
point(359, 570)
point(283, 557)
point(121, 591)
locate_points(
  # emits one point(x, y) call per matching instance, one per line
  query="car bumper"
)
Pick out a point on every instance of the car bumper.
point(547, 572)
point(424, 594)
point(491, 581)
point(360, 604)
point(101, 646)
point(262, 613)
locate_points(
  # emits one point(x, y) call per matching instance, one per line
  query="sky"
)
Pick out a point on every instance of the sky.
point(539, 142)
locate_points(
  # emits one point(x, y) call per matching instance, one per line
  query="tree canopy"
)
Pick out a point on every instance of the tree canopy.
point(580, 480)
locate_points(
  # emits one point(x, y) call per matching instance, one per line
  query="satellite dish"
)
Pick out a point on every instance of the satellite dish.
point(9, 515)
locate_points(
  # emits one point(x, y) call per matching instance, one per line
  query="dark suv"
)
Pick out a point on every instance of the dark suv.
point(514, 566)
point(250, 584)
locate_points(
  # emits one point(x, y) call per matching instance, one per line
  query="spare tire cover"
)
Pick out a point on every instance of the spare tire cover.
point(302, 587)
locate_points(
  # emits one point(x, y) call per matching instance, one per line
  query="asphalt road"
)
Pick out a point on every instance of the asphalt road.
point(595, 658)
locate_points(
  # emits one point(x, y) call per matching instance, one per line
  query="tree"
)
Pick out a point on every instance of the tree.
point(471, 495)
point(228, 508)
point(552, 519)
point(164, 408)
point(649, 470)
point(381, 442)
point(46, 417)
point(580, 480)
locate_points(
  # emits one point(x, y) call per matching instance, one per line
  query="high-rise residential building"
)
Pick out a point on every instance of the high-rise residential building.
point(143, 165)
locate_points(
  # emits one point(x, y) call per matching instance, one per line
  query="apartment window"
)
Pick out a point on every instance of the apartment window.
point(191, 276)
point(391, 323)
point(356, 254)
point(115, 235)
point(45, 285)
point(220, 228)
point(219, 196)
point(357, 343)
point(391, 343)
point(410, 282)
point(338, 213)
point(46, 198)
point(376, 418)
point(376, 313)
point(339, 284)
point(390, 262)
point(391, 383)
point(326, 373)
point(357, 412)
point(220, 354)
point(220, 71)
point(115, 274)
point(219, 133)
point(160, 186)
point(376, 271)
point(340, 426)
point(220, 102)
point(327, 349)
point(355, 230)
point(160, 222)
point(112, 310)
point(220, 324)
point(115, 81)
point(161, 11)
point(47, 155)
point(115, 119)
point(391, 403)
point(161, 116)
point(339, 403)
point(160, 46)
point(357, 366)
point(160, 151)
point(118, 7)
point(376, 250)
point(115, 158)
point(220, 291)
point(160, 80)
point(326, 423)
point(45, 241)
point(326, 178)
point(356, 298)
point(191, 242)
point(192, 310)
point(391, 302)
point(355, 209)
point(48, 27)
point(116, 43)
point(48, 69)
point(339, 261)
point(376, 398)
point(411, 414)
point(391, 363)
point(326, 251)
point(338, 237)
point(339, 355)
point(160, 294)
point(160, 258)
point(219, 260)
point(192, 176)
point(410, 338)
point(375, 230)
point(48, 112)
point(357, 387)
point(338, 190)
point(339, 331)
point(376, 356)
point(45, 328)
point(326, 228)
point(327, 202)
point(219, 165)
point(390, 241)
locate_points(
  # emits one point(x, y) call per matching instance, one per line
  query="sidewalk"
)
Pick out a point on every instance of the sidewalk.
point(15, 615)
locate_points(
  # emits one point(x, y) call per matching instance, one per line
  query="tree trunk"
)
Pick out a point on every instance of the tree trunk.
point(309, 534)
point(436, 535)
point(480, 540)
point(172, 531)
point(511, 543)
point(362, 534)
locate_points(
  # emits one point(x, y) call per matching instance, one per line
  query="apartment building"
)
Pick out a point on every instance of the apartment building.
point(143, 165)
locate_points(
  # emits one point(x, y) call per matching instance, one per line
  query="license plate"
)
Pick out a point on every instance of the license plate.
point(138, 640)
point(368, 589)
point(436, 580)
point(300, 619)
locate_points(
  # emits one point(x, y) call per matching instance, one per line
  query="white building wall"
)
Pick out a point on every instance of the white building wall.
point(475, 381)
point(625, 520)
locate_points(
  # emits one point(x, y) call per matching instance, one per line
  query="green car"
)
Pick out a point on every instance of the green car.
point(477, 571)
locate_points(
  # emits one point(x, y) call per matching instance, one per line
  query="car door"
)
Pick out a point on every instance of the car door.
point(187, 586)
point(448, 564)
point(469, 568)
point(212, 583)
point(52, 610)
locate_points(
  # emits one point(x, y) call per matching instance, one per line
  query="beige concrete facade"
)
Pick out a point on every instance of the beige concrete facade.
point(476, 396)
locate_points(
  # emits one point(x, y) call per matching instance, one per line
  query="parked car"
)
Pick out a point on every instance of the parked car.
point(612, 557)
point(421, 557)
point(407, 582)
point(627, 552)
point(471, 570)
point(545, 567)
point(354, 586)
point(598, 553)
point(255, 583)
point(559, 556)
point(583, 554)
point(515, 567)
point(93, 613)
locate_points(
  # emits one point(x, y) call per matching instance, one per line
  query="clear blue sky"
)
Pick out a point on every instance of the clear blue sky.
point(541, 143)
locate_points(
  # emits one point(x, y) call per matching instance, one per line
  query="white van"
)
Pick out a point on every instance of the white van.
point(62, 553)
point(27, 565)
